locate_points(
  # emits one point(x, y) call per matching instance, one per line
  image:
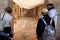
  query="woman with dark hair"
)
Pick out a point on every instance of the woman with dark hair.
point(8, 10)
point(8, 18)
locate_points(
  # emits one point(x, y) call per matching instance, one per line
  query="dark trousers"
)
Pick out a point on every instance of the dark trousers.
point(7, 30)
point(3, 36)
point(40, 38)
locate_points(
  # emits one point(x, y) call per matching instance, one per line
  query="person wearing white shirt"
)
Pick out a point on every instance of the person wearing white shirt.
point(8, 18)
point(52, 13)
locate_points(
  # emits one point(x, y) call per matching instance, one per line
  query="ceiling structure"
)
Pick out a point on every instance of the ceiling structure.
point(29, 4)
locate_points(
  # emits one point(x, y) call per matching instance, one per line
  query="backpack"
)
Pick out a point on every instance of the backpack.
point(2, 23)
point(49, 32)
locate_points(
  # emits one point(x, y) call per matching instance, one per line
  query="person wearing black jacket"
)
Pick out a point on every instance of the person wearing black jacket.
point(41, 25)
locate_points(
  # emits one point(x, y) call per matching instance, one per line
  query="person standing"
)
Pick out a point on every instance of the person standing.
point(8, 18)
point(41, 25)
point(52, 13)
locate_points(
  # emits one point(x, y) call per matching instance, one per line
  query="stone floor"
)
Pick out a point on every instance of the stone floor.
point(25, 29)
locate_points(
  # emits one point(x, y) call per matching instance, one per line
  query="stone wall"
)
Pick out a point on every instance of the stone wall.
point(3, 4)
point(21, 12)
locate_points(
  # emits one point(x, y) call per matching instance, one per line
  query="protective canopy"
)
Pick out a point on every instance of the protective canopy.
point(28, 4)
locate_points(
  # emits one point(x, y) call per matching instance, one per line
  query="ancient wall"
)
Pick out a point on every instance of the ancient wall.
point(3, 4)
point(21, 12)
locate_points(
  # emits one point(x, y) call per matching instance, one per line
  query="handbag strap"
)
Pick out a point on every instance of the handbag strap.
point(45, 21)
point(3, 16)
